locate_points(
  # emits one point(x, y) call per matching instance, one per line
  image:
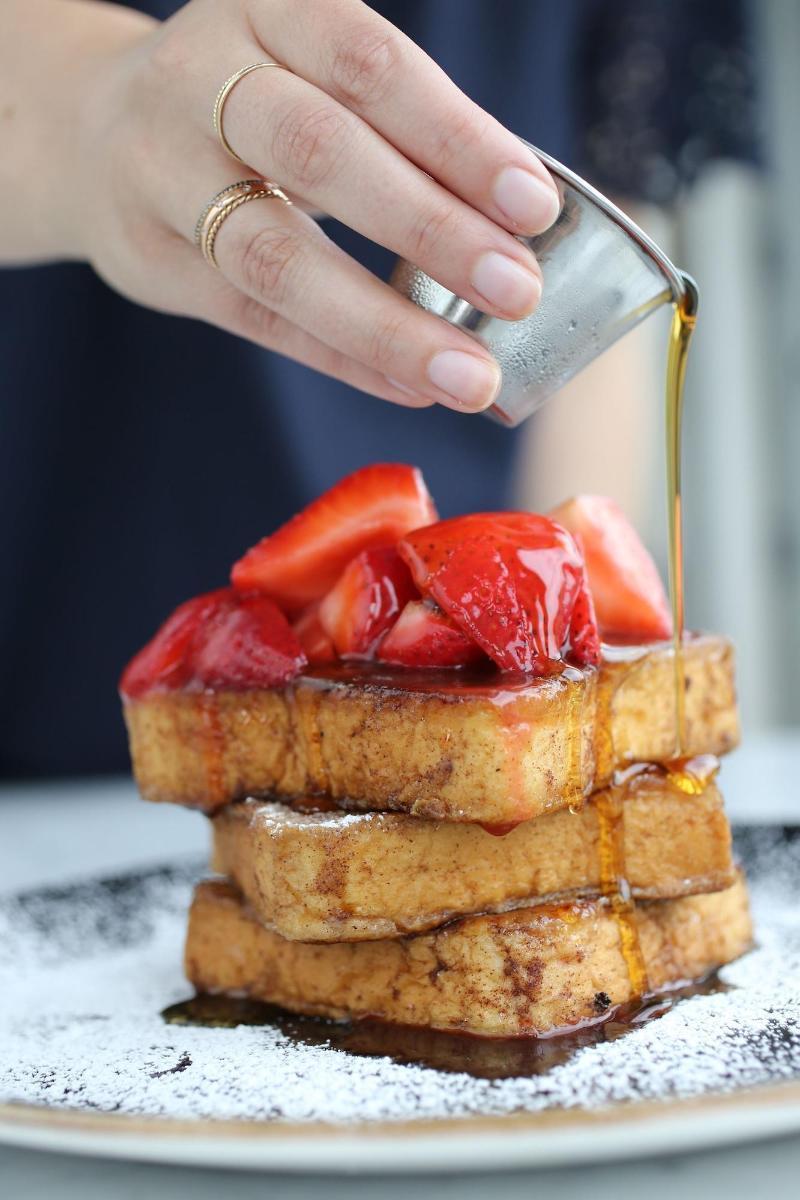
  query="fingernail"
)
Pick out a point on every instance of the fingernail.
point(471, 381)
point(506, 284)
point(528, 201)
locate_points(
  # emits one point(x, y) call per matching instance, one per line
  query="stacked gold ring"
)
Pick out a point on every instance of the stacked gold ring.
point(224, 203)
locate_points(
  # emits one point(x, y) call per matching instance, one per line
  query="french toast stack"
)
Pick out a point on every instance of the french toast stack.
point(436, 799)
point(444, 865)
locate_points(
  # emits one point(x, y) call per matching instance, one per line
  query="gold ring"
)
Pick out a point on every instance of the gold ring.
point(224, 203)
point(222, 96)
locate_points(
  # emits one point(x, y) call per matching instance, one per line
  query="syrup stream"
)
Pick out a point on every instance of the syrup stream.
point(212, 749)
point(683, 323)
point(609, 805)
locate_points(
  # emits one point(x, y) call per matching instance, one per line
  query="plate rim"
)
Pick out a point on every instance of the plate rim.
point(548, 1138)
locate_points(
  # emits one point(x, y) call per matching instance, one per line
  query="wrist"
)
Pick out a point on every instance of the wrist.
point(97, 86)
point(54, 70)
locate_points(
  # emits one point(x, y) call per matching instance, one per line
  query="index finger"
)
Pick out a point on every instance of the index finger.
point(373, 69)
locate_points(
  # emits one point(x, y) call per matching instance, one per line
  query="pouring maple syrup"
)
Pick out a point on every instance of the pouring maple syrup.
point(690, 776)
point(609, 806)
point(684, 317)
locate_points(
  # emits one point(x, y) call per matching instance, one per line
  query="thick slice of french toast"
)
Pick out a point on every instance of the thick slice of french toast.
point(441, 745)
point(332, 876)
point(447, 746)
point(530, 971)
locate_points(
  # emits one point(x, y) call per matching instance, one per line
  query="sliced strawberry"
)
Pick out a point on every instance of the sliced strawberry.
point(628, 594)
point(246, 643)
point(312, 637)
point(163, 662)
point(365, 601)
point(511, 581)
point(220, 640)
point(584, 635)
point(302, 560)
point(423, 636)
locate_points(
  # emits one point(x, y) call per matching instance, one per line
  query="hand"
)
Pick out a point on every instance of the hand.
point(362, 126)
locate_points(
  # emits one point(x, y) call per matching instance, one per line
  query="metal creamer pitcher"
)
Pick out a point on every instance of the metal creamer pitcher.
point(602, 276)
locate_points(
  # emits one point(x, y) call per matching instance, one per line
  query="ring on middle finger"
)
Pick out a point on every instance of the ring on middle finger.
point(220, 207)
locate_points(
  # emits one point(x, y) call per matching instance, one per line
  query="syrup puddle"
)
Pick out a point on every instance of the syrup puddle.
point(482, 1058)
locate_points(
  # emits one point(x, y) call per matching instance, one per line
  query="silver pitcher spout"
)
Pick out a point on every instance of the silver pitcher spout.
point(602, 276)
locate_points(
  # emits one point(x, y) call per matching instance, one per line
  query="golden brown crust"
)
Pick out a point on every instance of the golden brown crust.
point(444, 755)
point(330, 876)
point(530, 971)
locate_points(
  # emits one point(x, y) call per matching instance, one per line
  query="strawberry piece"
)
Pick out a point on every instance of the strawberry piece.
point(220, 640)
point(316, 643)
point(513, 582)
point(583, 632)
point(628, 594)
point(365, 601)
point(423, 636)
point(163, 663)
point(246, 643)
point(302, 560)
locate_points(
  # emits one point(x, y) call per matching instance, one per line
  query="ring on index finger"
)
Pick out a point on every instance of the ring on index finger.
point(222, 96)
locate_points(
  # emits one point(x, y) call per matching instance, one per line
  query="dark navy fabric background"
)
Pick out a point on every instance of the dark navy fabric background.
point(140, 454)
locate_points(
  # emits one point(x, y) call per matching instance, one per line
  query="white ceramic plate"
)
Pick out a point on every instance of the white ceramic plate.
point(546, 1140)
point(88, 1066)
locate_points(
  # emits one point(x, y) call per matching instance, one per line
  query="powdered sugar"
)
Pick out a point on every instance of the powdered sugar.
point(276, 817)
point(86, 971)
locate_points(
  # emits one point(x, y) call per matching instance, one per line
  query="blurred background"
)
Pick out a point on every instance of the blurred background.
point(140, 454)
point(715, 180)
